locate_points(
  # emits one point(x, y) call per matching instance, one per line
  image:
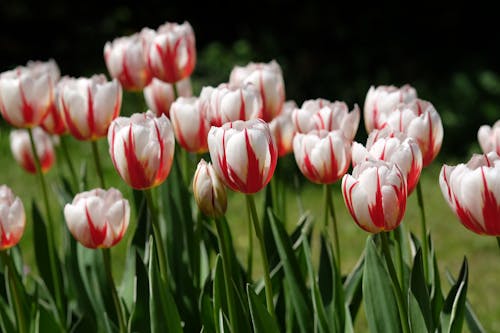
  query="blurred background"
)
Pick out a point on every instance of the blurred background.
point(335, 51)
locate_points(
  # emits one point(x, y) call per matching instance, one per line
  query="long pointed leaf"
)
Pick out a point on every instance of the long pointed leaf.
point(261, 320)
point(419, 296)
point(453, 313)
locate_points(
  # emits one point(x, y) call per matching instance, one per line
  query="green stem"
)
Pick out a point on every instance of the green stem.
point(395, 283)
point(21, 321)
point(250, 245)
point(50, 227)
point(69, 163)
point(329, 207)
point(399, 253)
point(111, 284)
point(157, 233)
point(265, 262)
point(98, 167)
point(227, 268)
point(498, 241)
point(425, 246)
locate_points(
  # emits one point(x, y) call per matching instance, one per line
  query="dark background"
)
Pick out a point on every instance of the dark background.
point(334, 51)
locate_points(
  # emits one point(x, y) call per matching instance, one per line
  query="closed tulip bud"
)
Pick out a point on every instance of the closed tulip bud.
point(244, 154)
point(321, 114)
point(489, 138)
point(228, 103)
point(126, 62)
point(20, 146)
point(283, 130)
point(142, 149)
point(419, 120)
point(375, 195)
point(209, 191)
point(12, 218)
point(98, 218)
point(472, 191)
point(159, 97)
point(268, 78)
point(322, 156)
point(190, 125)
point(170, 51)
point(393, 147)
point(89, 105)
point(380, 101)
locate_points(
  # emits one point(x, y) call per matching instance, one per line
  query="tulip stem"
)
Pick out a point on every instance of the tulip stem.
point(329, 207)
point(265, 263)
point(227, 268)
point(250, 244)
point(425, 246)
point(9, 265)
point(69, 163)
point(157, 233)
point(97, 160)
point(498, 241)
point(395, 282)
point(106, 253)
point(50, 227)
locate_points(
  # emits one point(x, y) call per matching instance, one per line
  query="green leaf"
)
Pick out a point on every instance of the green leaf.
point(418, 296)
point(143, 225)
point(293, 275)
point(436, 294)
point(353, 287)
point(380, 302)
point(7, 323)
point(453, 313)
point(139, 318)
point(48, 321)
point(207, 308)
point(219, 293)
point(261, 319)
point(415, 316)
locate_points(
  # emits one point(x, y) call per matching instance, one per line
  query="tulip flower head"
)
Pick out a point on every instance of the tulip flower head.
point(190, 125)
point(209, 191)
point(98, 218)
point(472, 191)
point(20, 146)
point(321, 114)
point(322, 156)
point(380, 101)
point(142, 148)
point(489, 138)
point(268, 78)
point(375, 195)
point(283, 130)
point(421, 121)
point(160, 95)
point(89, 105)
point(243, 154)
point(126, 62)
point(12, 218)
point(393, 147)
point(170, 51)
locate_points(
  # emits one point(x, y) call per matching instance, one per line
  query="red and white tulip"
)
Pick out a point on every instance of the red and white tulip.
point(190, 125)
point(489, 138)
point(20, 146)
point(12, 218)
point(283, 130)
point(209, 191)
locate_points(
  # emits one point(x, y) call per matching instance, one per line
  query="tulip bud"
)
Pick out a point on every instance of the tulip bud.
point(472, 191)
point(209, 191)
point(142, 148)
point(12, 218)
point(20, 146)
point(98, 218)
point(489, 138)
point(190, 126)
point(375, 195)
point(283, 130)
point(243, 154)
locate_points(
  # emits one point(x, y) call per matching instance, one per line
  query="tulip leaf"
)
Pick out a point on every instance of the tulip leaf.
point(418, 296)
point(219, 294)
point(353, 287)
point(436, 294)
point(6, 316)
point(143, 225)
point(293, 275)
point(139, 316)
point(379, 299)
point(261, 319)
point(207, 308)
point(47, 319)
point(453, 313)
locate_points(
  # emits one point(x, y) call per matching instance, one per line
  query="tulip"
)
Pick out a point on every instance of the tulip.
point(472, 191)
point(160, 95)
point(20, 145)
point(89, 105)
point(393, 147)
point(228, 103)
point(12, 218)
point(244, 154)
point(321, 114)
point(142, 148)
point(375, 195)
point(489, 138)
point(380, 101)
point(268, 78)
point(419, 120)
point(190, 126)
point(209, 191)
point(126, 62)
point(322, 156)
point(283, 130)
point(170, 51)
point(98, 218)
